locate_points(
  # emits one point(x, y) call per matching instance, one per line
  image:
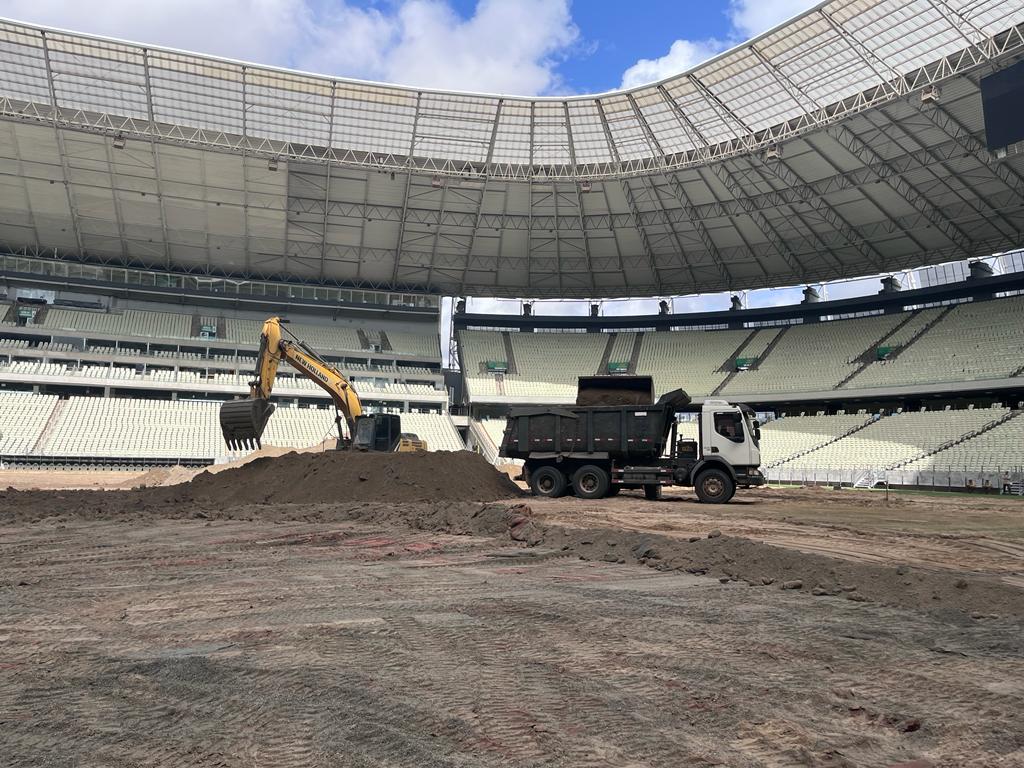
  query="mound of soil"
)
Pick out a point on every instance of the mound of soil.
point(354, 476)
point(594, 397)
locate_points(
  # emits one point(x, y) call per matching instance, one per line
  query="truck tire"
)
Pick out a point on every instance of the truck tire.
point(714, 486)
point(652, 492)
point(548, 481)
point(591, 482)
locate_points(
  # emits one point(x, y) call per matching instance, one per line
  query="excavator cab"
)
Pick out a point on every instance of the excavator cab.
point(243, 422)
point(383, 432)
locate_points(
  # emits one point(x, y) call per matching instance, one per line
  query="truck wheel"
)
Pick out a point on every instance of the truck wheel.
point(591, 482)
point(714, 487)
point(547, 481)
point(652, 492)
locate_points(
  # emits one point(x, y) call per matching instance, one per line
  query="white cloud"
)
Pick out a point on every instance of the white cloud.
point(747, 19)
point(256, 30)
point(750, 18)
point(683, 55)
point(506, 46)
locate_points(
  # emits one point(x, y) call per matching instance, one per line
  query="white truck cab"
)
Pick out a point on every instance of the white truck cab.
point(730, 432)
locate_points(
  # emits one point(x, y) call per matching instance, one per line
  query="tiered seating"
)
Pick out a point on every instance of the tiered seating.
point(979, 340)
point(436, 428)
point(23, 415)
point(130, 322)
point(1001, 447)
point(130, 427)
point(127, 427)
point(421, 345)
point(494, 429)
point(285, 381)
point(759, 342)
point(786, 437)
point(300, 427)
point(687, 359)
point(323, 338)
point(813, 357)
point(548, 365)
point(477, 348)
point(622, 348)
point(896, 439)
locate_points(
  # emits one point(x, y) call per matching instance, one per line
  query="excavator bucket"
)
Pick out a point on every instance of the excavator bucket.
point(243, 422)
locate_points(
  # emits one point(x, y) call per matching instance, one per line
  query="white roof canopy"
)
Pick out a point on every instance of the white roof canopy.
point(803, 155)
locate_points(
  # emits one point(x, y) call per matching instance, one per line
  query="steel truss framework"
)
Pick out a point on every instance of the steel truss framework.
point(804, 155)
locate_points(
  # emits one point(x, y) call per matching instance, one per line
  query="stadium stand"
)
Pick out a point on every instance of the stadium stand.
point(897, 439)
point(107, 427)
point(966, 342)
point(478, 348)
point(691, 360)
point(140, 428)
point(23, 416)
point(436, 428)
point(1001, 447)
point(972, 341)
point(549, 364)
point(137, 323)
point(813, 357)
point(786, 438)
point(407, 343)
point(171, 326)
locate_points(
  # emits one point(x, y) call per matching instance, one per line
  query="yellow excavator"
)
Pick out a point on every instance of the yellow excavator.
point(243, 421)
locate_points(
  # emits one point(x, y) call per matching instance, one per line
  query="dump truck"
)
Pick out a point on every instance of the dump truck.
point(618, 437)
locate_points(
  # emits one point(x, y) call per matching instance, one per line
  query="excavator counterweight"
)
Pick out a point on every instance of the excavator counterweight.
point(243, 422)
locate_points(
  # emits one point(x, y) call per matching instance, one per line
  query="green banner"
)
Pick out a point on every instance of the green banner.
point(497, 366)
point(618, 367)
point(745, 363)
point(883, 353)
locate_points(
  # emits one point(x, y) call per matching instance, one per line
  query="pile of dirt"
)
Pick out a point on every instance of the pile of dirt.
point(164, 476)
point(355, 476)
point(594, 397)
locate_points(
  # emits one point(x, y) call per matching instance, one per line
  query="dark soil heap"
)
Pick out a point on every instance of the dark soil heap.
point(340, 476)
point(598, 397)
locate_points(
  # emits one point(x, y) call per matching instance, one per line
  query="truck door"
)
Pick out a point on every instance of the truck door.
point(728, 438)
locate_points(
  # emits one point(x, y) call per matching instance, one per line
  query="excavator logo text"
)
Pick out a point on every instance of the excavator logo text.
point(316, 372)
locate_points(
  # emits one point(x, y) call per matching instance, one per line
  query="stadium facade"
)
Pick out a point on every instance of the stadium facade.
point(156, 204)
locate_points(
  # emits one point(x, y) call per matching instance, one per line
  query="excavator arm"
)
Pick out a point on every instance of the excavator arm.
point(243, 421)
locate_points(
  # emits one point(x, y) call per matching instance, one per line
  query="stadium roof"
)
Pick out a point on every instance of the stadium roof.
point(806, 154)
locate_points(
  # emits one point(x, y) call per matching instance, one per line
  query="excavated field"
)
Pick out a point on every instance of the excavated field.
point(447, 621)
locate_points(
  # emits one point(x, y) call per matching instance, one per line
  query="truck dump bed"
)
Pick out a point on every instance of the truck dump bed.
point(633, 433)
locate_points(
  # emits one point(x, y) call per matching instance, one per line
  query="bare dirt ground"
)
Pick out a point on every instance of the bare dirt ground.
point(975, 534)
point(164, 630)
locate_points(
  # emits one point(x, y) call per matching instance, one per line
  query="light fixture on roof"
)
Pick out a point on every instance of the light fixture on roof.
point(119, 141)
point(436, 182)
point(586, 185)
point(272, 164)
point(774, 152)
point(930, 95)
